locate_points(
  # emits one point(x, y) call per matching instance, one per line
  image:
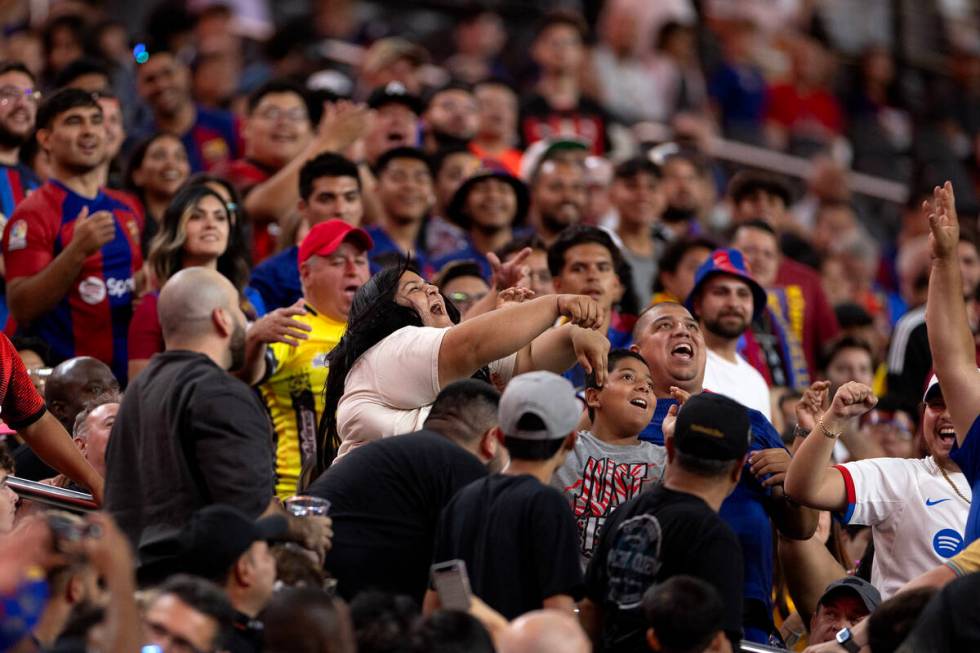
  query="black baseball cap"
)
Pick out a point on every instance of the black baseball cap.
point(861, 588)
point(394, 93)
point(213, 539)
point(713, 427)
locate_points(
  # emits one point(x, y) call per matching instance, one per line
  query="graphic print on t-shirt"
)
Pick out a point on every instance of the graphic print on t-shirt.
point(605, 484)
point(634, 560)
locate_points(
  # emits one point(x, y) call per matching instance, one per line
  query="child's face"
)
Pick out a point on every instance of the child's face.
point(626, 402)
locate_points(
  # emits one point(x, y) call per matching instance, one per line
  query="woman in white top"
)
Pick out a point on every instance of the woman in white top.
point(405, 341)
point(917, 508)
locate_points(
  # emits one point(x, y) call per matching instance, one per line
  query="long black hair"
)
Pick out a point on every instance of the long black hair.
point(374, 315)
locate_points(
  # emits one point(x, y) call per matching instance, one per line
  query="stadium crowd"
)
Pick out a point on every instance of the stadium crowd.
point(608, 326)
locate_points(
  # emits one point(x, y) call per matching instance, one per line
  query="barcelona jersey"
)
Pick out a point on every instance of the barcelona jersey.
point(15, 183)
point(93, 318)
point(214, 141)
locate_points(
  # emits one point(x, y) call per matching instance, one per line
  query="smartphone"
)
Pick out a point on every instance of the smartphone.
point(452, 584)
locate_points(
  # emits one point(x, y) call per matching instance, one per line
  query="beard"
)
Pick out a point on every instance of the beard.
point(9, 139)
point(678, 214)
point(237, 347)
point(729, 330)
point(555, 223)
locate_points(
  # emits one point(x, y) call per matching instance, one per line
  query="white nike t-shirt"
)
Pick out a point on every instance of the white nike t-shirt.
point(739, 381)
point(917, 519)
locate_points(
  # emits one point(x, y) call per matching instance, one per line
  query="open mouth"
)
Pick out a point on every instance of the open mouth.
point(437, 309)
point(350, 291)
point(171, 174)
point(639, 403)
point(683, 350)
point(947, 435)
point(396, 137)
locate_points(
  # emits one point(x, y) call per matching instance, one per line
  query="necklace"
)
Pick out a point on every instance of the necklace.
point(951, 484)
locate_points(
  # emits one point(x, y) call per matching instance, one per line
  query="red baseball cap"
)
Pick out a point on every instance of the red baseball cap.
point(325, 237)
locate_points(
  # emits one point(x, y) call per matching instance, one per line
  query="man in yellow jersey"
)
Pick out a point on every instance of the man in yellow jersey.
point(333, 264)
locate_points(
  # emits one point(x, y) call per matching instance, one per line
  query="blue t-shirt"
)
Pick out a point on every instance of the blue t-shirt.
point(383, 244)
point(968, 458)
point(277, 279)
point(468, 253)
point(744, 510)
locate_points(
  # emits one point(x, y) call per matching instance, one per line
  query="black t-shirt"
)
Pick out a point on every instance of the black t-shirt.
point(655, 536)
point(950, 622)
point(588, 121)
point(187, 435)
point(385, 499)
point(518, 539)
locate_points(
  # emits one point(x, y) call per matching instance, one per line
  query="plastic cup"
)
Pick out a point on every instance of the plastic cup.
point(307, 506)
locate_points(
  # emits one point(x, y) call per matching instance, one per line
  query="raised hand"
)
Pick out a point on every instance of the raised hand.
point(592, 351)
point(509, 274)
point(814, 403)
point(514, 296)
point(580, 310)
point(343, 123)
point(93, 231)
point(279, 326)
point(944, 225)
point(670, 420)
point(853, 399)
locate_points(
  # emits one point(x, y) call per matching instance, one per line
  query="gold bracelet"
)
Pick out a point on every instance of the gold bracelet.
point(827, 432)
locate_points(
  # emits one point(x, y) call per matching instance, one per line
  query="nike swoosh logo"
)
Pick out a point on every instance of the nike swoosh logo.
point(930, 502)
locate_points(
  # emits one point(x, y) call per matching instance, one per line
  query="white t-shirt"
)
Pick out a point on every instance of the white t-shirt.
point(917, 520)
point(737, 380)
point(391, 387)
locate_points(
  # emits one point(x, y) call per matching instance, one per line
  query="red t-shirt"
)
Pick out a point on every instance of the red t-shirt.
point(791, 108)
point(145, 333)
point(818, 323)
point(20, 403)
point(245, 174)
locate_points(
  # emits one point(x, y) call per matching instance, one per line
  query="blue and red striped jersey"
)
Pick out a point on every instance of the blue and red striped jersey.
point(93, 318)
point(214, 141)
point(15, 183)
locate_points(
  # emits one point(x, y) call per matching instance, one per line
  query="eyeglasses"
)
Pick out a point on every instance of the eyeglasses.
point(273, 114)
point(10, 94)
point(466, 298)
point(177, 644)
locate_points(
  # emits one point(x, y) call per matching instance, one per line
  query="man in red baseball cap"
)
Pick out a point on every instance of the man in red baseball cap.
point(291, 372)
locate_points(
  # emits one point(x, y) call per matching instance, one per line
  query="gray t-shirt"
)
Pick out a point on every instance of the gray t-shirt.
point(597, 477)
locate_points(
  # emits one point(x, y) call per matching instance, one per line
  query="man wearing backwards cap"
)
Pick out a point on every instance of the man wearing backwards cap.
point(726, 299)
point(292, 371)
point(916, 508)
point(674, 528)
point(396, 120)
point(221, 544)
point(844, 603)
point(515, 533)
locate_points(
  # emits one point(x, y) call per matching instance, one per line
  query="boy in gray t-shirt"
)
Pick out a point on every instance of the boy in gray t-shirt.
point(609, 464)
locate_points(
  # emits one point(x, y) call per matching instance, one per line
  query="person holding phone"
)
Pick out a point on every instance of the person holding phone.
point(515, 533)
